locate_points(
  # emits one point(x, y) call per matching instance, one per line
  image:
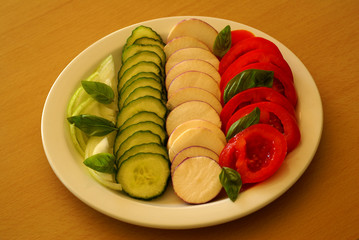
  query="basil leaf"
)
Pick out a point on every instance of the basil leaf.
point(244, 122)
point(231, 182)
point(92, 125)
point(223, 42)
point(249, 78)
point(99, 91)
point(101, 162)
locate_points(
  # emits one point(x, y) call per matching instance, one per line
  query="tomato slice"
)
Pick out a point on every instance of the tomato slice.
point(257, 153)
point(275, 115)
point(250, 96)
point(239, 35)
point(245, 46)
point(282, 83)
point(265, 56)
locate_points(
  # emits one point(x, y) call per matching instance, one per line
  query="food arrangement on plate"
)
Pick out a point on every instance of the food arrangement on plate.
point(205, 109)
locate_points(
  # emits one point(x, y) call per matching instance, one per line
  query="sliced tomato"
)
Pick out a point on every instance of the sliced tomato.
point(257, 153)
point(239, 35)
point(282, 83)
point(245, 46)
point(275, 115)
point(250, 96)
point(264, 56)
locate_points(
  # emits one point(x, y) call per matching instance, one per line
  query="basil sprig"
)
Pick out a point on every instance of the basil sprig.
point(231, 182)
point(101, 162)
point(92, 125)
point(223, 42)
point(246, 79)
point(99, 91)
point(244, 122)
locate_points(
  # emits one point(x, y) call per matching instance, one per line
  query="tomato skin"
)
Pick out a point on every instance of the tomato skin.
point(275, 115)
point(245, 46)
point(250, 96)
point(239, 35)
point(257, 153)
point(282, 83)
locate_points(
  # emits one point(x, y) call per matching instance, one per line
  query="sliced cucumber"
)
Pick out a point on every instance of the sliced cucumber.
point(135, 48)
point(141, 75)
point(147, 56)
point(142, 92)
point(146, 103)
point(143, 148)
point(137, 68)
point(144, 175)
point(140, 32)
point(140, 137)
point(149, 41)
point(144, 116)
point(141, 82)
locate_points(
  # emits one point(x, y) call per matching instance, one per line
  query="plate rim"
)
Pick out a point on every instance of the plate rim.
point(169, 211)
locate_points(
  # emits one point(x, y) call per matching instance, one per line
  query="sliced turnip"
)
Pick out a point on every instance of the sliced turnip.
point(196, 123)
point(194, 79)
point(198, 136)
point(183, 42)
point(193, 151)
point(191, 53)
point(195, 28)
point(193, 93)
point(196, 180)
point(192, 65)
point(189, 111)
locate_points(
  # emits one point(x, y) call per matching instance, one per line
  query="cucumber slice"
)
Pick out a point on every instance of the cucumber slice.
point(142, 31)
point(140, 137)
point(144, 175)
point(147, 56)
point(137, 68)
point(141, 82)
point(135, 48)
point(143, 117)
point(141, 92)
point(149, 41)
point(142, 126)
point(143, 148)
point(146, 103)
point(141, 75)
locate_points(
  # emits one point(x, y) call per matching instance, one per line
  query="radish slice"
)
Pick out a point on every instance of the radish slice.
point(196, 180)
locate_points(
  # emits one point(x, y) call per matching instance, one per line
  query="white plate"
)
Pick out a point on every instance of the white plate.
point(168, 211)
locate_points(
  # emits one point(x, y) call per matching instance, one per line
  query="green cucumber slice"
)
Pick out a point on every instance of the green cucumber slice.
point(144, 116)
point(142, 31)
point(141, 92)
point(135, 48)
point(141, 75)
point(149, 41)
point(144, 175)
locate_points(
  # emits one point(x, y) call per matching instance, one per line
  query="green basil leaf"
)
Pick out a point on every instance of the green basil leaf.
point(223, 42)
point(101, 162)
point(99, 91)
point(247, 79)
point(231, 182)
point(92, 125)
point(244, 122)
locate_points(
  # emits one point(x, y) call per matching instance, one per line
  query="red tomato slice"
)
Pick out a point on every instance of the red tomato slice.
point(245, 46)
point(282, 83)
point(264, 56)
point(275, 115)
point(239, 35)
point(257, 153)
point(250, 96)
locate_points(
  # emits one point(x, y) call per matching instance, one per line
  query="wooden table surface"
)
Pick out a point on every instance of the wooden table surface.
point(39, 38)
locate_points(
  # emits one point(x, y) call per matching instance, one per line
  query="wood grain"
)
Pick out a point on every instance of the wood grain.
point(39, 38)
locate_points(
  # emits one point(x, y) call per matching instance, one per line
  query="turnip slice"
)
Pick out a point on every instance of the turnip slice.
point(196, 123)
point(198, 136)
point(195, 28)
point(192, 65)
point(191, 53)
point(189, 111)
point(186, 94)
point(193, 151)
point(196, 180)
point(183, 42)
point(194, 79)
